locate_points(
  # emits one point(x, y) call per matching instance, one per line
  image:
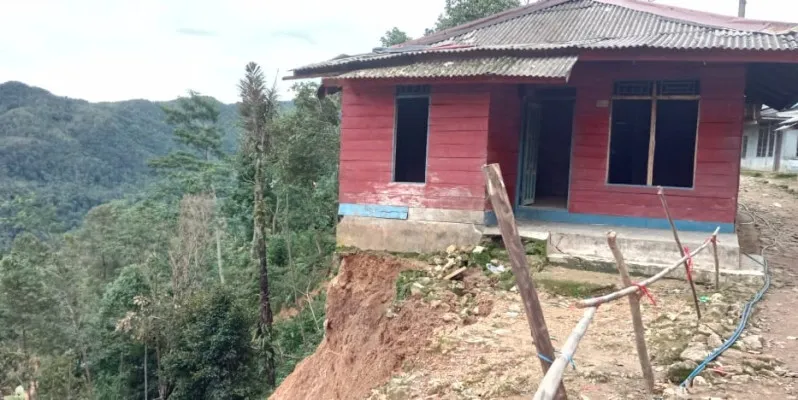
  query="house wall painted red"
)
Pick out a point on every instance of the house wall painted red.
point(471, 124)
point(714, 196)
point(457, 147)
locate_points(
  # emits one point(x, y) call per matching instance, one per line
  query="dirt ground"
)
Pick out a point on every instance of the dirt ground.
point(472, 341)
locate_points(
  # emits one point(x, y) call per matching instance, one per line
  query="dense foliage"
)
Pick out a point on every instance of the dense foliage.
point(66, 156)
point(393, 37)
point(458, 12)
point(155, 294)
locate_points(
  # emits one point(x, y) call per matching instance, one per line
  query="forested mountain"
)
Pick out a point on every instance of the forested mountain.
point(67, 155)
point(171, 291)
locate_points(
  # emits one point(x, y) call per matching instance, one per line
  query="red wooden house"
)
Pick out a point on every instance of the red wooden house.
point(588, 106)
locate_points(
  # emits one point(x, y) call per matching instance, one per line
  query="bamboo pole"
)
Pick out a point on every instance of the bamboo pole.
point(515, 249)
point(596, 301)
point(637, 319)
point(553, 378)
point(661, 194)
point(717, 262)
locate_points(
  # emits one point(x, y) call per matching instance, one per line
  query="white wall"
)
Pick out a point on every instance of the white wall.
point(789, 148)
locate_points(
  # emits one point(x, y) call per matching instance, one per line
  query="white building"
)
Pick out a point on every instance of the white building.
point(770, 143)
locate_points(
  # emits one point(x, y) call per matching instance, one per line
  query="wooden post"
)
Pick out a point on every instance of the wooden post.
point(637, 319)
point(597, 301)
point(661, 194)
point(553, 378)
point(717, 262)
point(515, 249)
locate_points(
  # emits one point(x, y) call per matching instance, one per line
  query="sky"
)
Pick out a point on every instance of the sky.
point(110, 50)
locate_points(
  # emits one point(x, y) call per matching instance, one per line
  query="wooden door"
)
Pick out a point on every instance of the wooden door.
point(530, 143)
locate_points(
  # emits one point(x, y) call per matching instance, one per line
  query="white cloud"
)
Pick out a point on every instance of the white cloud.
point(104, 50)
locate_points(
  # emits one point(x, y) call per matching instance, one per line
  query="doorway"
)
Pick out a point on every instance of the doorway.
point(546, 148)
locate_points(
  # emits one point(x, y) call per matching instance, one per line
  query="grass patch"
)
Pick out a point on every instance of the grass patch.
point(535, 247)
point(405, 281)
point(569, 288)
point(785, 175)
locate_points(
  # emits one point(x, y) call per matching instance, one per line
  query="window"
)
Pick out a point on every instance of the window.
point(766, 141)
point(410, 136)
point(653, 133)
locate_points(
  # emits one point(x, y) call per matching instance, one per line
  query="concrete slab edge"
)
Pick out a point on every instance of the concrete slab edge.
point(644, 269)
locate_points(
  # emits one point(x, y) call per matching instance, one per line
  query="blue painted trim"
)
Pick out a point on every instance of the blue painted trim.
point(373, 210)
point(537, 214)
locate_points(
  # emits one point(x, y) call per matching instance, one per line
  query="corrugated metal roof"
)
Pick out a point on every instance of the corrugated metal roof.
point(586, 24)
point(539, 67)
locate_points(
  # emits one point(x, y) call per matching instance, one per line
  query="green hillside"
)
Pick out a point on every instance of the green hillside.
point(72, 154)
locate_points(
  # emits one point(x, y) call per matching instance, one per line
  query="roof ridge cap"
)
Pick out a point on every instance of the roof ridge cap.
point(704, 18)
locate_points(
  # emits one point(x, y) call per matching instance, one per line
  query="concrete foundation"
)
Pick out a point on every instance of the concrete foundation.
point(647, 251)
point(406, 236)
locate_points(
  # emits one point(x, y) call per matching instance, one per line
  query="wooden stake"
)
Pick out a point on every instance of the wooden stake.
point(596, 301)
point(717, 262)
point(661, 194)
point(553, 378)
point(515, 249)
point(637, 319)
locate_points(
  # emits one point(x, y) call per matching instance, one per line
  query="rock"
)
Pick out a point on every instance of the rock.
point(756, 364)
point(437, 260)
point(677, 372)
point(792, 338)
point(494, 261)
point(718, 310)
point(698, 339)
point(451, 249)
point(714, 341)
point(390, 314)
point(733, 354)
point(716, 298)
point(704, 329)
point(695, 352)
point(514, 289)
point(478, 250)
point(753, 342)
point(449, 317)
point(511, 314)
point(671, 316)
point(700, 381)
point(594, 375)
point(741, 379)
point(475, 311)
point(435, 303)
point(514, 308)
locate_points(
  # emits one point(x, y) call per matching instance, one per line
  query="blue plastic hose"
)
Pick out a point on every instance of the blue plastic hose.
point(747, 311)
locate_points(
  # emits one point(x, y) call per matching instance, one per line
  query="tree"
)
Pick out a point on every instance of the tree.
point(257, 110)
point(458, 12)
point(210, 350)
point(195, 128)
point(30, 302)
point(394, 37)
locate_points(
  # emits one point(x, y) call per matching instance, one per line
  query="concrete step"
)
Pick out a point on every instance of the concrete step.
point(647, 251)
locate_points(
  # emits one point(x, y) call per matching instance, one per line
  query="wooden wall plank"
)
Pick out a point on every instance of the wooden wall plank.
point(714, 195)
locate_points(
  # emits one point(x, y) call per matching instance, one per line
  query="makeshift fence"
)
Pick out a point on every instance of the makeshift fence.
point(551, 387)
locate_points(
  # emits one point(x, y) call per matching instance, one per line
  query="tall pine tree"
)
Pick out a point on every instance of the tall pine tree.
point(257, 110)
